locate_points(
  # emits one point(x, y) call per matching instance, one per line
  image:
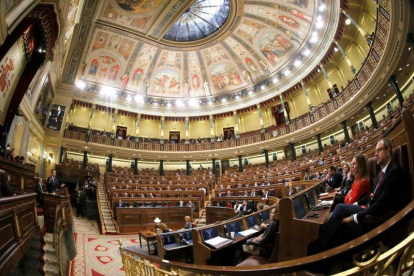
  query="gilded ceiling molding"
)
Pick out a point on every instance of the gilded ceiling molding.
point(85, 24)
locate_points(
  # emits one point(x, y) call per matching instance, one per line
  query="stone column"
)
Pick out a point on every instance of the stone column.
point(307, 96)
point(346, 57)
point(187, 167)
point(161, 167)
point(292, 151)
point(85, 159)
point(346, 133)
point(397, 89)
point(320, 147)
point(236, 126)
point(135, 166)
point(240, 163)
point(266, 154)
point(372, 115)
point(328, 80)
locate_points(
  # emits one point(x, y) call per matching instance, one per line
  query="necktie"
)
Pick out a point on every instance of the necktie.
point(372, 194)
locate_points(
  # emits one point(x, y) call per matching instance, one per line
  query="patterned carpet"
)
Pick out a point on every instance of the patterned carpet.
point(99, 254)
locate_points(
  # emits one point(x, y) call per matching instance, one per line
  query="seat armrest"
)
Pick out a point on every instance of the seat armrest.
point(379, 218)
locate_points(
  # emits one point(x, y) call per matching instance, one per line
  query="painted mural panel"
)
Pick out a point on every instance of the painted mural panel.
point(114, 13)
point(274, 46)
point(100, 41)
point(195, 85)
point(253, 70)
point(139, 81)
point(56, 115)
point(224, 76)
point(138, 6)
point(11, 67)
point(166, 83)
point(44, 101)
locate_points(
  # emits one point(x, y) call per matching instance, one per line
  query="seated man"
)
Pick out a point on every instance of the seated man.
point(385, 197)
point(335, 178)
point(246, 208)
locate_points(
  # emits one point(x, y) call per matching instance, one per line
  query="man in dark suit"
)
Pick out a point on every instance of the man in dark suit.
point(39, 190)
point(388, 190)
point(53, 183)
point(265, 194)
point(335, 179)
point(246, 208)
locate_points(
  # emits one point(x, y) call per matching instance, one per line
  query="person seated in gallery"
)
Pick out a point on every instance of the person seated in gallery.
point(268, 236)
point(260, 206)
point(265, 194)
point(188, 223)
point(335, 178)
point(361, 186)
point(119, 204)
point(11, 154)
point(6, 190)
point(246, 208)
point(388, 194)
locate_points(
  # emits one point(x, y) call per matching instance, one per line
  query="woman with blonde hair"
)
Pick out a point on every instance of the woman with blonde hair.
point(361, 186)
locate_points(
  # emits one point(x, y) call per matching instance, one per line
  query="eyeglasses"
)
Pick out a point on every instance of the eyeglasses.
point(380, 149)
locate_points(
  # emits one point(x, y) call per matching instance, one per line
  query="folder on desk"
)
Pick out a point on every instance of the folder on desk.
point(218, 242)
point(247, 232)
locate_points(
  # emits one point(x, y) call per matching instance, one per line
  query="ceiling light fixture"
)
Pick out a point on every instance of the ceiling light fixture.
point(322, 7)
point(193, 102)
point(319, 25)
point(179, 103)
point(313, 39)
point(128, 98)
point(80, 84)
point(306, 52)
point(250, 92)
point(297, 63)
point(262, 87)
point(287, 72)
point(348, 21)
point(108, 91)
point(275, 80)
point(139, 99)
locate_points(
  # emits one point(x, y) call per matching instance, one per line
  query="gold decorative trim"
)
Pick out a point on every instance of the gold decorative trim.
point(16, 222)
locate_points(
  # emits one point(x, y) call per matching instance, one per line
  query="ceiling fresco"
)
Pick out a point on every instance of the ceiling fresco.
point(263, 39)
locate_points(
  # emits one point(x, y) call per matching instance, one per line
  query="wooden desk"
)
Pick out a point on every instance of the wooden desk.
point(149, 236)
point(214, 214)
point(134, 220)
point(50, 205)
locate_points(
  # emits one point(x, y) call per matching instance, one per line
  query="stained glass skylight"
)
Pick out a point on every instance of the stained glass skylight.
point(203, 18)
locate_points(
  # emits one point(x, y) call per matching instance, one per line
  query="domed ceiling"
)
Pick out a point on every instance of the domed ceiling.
point(164, 52)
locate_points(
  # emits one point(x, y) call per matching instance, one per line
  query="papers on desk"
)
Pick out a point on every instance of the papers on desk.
point(323, 194)
point(325, 203)
point(216, 241)
point(247, 232)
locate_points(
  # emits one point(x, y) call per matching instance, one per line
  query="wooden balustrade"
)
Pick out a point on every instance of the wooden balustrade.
point(19, 226)
point(21, 175)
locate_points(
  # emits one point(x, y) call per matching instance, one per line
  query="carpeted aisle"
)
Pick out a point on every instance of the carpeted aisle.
point(99, 254)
